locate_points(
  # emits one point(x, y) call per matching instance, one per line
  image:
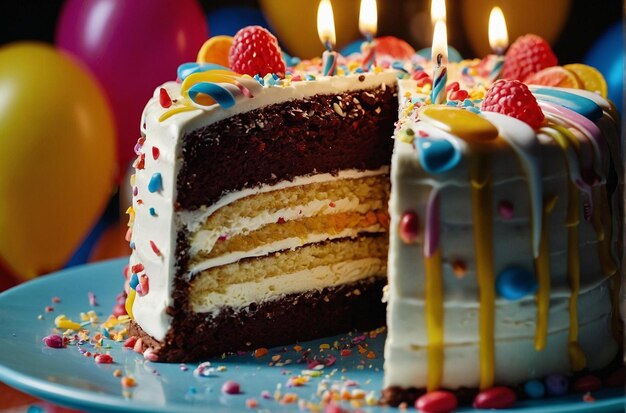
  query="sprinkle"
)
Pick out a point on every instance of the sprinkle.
point(370, 355)
point(252, 403)
point(152, 212)
point(56, 300)
point(231, 387)
point(164, 98)
point(221, 368)
point(128, 382)
point(203, 370)
point(49, 309)
point(155, 248)
point(117, 373)
point(150, 355)
point(289, 398)
point(155, 153)
point(103, 359)
point(324, 346)
point(588, 398)
point(345, 352)
point(459, 268)
point(134, 281)
point(92, 299)
point(54, 341)
point(266, 395)
point(156, 183)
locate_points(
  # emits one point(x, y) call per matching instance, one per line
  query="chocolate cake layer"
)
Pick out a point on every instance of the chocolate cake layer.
point(321, 134)
point(290, 319)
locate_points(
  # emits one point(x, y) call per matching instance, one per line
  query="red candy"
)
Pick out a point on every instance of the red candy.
point(495, 398)
point(527, 55)
point(587, 383)
point(513, 98)
point(130, 342)
point(437, 402)
point(231, 387)
point(409, 227)
point(54, 341)
point(255, 51)
point(155, 153)
point(103, 359)
point(164, 98)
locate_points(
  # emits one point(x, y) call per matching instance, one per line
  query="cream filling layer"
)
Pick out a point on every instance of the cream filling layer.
point(284, 244)
point(193, 220)
point(204, 240)
point(318, 278)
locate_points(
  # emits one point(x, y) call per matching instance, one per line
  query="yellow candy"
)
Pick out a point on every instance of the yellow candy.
point(460, 122)
point(215, 50)
point(591, 79)
point(129, 302)
point(68, 325)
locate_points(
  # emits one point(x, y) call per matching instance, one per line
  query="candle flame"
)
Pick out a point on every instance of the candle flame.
point(326, 23)
point(368, 18)
point(440, 43)
point(437, 10)
point(498, 35)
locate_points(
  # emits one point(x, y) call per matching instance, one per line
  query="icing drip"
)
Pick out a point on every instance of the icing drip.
point(434, 293)
point(542, 268)
point(523, 140)
point(480, 175)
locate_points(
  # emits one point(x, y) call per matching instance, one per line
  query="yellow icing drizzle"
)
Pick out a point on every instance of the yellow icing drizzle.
point(434, 319)
point(130, 299)
point(542, 268)
point(174, 111)
point(480, 175)
point(460, 122)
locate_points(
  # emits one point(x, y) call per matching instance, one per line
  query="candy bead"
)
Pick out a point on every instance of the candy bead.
point(156, 183)
point(587, 383)
point(534, 389)
point(437, 155)
point(231, 387)
point(409, 227)
point(495, 398)
point(556, 385)
point(437, 402)
point(103, 359)
point(506, 210)
point(514, 283)
point(164, 98)
point(54, 341)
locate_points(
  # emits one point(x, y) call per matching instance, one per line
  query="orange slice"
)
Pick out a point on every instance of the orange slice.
point(554, 76)
point(591, 79)
point(215, 50)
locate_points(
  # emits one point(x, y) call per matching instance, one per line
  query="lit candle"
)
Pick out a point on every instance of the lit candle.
point(440, 58)
point(368, 19)
point(498, 40)
point(326, 32)
point(437, 11)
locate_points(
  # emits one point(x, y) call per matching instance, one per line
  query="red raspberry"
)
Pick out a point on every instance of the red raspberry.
point(255, 51)
point(527, 55)
point(513, 98)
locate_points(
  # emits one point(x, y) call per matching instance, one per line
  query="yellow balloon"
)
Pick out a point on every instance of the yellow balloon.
point(541, 17)
point(294, 22)
point(57, 157)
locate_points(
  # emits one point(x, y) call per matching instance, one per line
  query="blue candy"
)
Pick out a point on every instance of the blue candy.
point(534, 389)
point(556, 385)
point(134, 281)
point(152, 212)
point(221, 95)
point(437, 155)
point(156, 183)
point(514, 283)
point(583, 106)
point(187, 69)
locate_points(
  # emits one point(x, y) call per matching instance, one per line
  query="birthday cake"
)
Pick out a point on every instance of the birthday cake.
point(260, 217)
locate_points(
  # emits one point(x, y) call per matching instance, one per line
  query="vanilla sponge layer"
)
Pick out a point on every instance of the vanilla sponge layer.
point(246, 223)
point(312, 267)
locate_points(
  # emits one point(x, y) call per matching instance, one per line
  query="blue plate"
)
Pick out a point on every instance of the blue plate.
point(67, 377)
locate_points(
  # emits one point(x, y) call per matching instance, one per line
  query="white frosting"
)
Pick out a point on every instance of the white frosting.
point(162, 228)
point(525, 174)
point(318, 278)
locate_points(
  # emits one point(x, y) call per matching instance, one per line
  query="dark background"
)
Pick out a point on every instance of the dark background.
point(36, 20)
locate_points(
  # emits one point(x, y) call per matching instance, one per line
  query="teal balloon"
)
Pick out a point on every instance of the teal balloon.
point(607, 55)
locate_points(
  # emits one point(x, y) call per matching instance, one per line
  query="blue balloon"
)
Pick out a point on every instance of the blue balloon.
point(228, 20)
point(607, 55)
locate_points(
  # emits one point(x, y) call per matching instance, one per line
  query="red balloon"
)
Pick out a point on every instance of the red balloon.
point(131, 47)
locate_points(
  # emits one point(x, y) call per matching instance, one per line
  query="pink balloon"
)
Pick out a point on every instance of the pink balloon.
point(132, 46)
